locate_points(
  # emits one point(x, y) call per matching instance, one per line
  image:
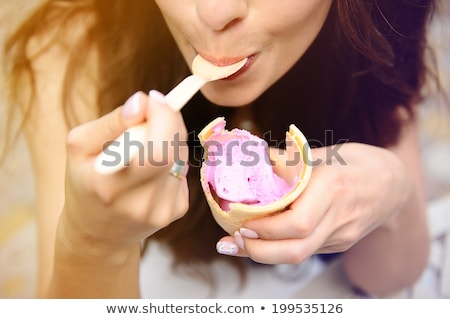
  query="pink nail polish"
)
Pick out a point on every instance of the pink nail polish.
point(227, 248)
point(158, 96)
point(132, 106)
point(239, 240)
point(248, 233)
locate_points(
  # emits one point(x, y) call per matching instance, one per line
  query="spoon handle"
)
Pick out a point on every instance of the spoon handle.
point(184, 91)
point(116, 156)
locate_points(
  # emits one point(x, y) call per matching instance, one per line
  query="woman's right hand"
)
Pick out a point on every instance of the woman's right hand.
point(105, 213)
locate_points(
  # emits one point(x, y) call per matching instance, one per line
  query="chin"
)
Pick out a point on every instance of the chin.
point(230, 97)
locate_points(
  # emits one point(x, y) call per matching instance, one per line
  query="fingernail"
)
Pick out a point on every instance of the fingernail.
point(248, 233)
point(132, 106)
point(158, 96)
point(239, 240)
point(227, 248)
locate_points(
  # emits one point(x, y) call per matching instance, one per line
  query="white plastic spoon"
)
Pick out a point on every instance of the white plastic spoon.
point(110, 161)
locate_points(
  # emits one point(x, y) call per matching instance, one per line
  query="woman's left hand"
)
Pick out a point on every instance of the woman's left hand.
point(354, 189)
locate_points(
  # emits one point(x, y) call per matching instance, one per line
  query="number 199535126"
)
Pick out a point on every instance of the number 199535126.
point(307, 308)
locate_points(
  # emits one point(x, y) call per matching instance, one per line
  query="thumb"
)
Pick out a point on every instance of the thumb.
point(92, 137)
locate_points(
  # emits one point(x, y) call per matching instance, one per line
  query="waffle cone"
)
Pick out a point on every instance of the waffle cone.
point(292, 164)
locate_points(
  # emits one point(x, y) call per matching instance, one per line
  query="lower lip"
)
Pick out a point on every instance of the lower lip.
point(242, 70)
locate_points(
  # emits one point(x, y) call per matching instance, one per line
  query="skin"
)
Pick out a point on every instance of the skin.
point(224, 32)
point(102, 219)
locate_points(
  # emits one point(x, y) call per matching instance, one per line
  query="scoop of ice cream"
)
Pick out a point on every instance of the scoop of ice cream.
point(239, 170)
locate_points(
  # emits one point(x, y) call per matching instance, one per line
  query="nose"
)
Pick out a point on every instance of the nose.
point(220, 14)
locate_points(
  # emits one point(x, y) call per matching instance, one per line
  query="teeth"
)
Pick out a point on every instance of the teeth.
point(297, 151)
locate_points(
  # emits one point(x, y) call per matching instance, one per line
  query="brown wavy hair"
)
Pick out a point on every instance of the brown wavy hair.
point(367, 61)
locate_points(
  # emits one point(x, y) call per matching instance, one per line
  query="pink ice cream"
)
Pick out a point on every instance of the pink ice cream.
point(239, 170)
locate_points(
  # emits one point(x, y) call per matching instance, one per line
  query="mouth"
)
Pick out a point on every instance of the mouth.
point(225, 61)
point(241, 71)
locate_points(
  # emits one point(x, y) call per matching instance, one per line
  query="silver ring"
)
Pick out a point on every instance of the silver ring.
point(179, 169)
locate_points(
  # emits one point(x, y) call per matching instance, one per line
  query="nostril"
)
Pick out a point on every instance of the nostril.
point(219, 15)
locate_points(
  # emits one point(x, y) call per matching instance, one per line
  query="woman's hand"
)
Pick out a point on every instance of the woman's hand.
point(105, 217)
point(123, 208)
point(351, 193)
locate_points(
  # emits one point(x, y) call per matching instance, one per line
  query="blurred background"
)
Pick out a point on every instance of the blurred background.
point(17, 228)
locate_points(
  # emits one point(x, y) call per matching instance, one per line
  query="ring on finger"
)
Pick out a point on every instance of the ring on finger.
point(179, 169)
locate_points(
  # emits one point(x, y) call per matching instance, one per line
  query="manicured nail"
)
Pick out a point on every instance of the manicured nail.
point(158, 96)
point(248, 233)
point(227, 248)
point(132, 106)
point(239, 240)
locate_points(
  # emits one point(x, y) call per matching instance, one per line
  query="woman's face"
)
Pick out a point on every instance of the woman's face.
point(273, 34)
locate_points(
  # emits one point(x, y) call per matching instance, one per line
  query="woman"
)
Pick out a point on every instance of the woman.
point(343, 71)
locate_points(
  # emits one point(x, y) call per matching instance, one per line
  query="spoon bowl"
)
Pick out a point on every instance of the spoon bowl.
point(211, 72)
point(203, 72)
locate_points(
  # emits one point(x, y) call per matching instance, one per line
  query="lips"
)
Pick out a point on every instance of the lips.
point(228, 61)
point(224, 61)
point(242, 70)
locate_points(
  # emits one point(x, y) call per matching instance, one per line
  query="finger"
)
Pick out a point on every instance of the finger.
point(180, 200)
point(299, 220)
point(90, 138)
point(155, 204)
point(166, 141)
point(228, 246)
point(286, 251)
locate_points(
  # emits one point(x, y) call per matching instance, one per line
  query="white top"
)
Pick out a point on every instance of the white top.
point(160, 280)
